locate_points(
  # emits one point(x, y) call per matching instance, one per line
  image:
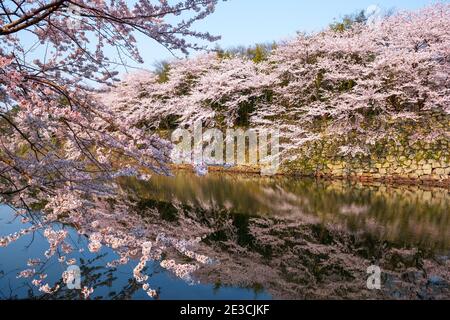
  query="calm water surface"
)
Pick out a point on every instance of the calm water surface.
point(269, 238)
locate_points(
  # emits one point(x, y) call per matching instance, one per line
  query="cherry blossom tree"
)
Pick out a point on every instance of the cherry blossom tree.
point(365, 81)
point(60, 149)
point(355, 85)
point(52, 53)
point(202, 89)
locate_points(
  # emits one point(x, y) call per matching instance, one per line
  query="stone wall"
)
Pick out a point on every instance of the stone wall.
point(401, 168)
point(400, 159)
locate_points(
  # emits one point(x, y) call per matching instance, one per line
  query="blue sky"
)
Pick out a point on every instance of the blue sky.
point(246, 22)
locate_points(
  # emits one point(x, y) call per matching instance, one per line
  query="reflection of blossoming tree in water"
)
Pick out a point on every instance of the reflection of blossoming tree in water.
point(56, 143)
point(289, 255)
point(93, 277)
point(107, 222)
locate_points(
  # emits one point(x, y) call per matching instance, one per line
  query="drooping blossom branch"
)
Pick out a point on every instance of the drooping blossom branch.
point(52, 53)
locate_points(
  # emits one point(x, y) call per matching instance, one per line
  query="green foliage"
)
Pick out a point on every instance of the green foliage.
point(223, 54)
point(257, 53)
point(319, 83)
point(348, 21)
point(347, 85)
point(5, 127)
point(162, 69)
point(169, 123)
point(245, 110)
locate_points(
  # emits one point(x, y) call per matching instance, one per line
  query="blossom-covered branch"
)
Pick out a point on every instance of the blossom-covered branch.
point(52, 53)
